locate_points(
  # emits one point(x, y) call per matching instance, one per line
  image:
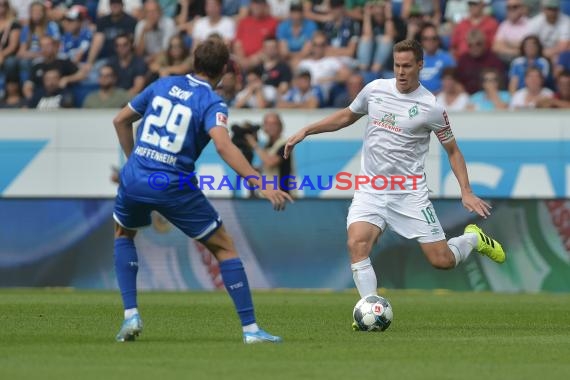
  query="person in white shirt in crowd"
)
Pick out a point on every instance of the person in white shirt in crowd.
point(534, 90)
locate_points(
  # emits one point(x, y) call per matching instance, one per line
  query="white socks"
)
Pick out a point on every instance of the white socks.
point(461, 246)
point(364, 277)
point(130, 312)
point(250, 328)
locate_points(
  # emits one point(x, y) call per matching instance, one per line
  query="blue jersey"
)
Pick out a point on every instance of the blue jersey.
point(177, 114)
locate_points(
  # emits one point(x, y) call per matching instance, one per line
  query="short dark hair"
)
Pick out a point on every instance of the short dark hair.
point(410, 45)
point(211, 57)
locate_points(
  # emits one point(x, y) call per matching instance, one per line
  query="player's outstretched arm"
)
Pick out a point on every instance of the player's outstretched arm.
point(235, 159)
point(470, 201)
point(123, 123)
point(338, 120)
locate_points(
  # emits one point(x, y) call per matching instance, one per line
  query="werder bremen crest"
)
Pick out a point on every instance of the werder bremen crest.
point(413, 112)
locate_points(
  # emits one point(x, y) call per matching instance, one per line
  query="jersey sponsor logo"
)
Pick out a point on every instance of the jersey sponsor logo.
point(179, 93)
point(388, 121)
point(221, 119)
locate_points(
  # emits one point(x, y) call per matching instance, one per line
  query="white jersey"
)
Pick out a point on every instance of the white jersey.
point(396, 140)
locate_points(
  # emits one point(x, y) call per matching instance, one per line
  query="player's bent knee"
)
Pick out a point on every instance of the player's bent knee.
point(359, 249)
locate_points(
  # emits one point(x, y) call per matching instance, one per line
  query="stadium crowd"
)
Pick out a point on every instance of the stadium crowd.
point(479, 54)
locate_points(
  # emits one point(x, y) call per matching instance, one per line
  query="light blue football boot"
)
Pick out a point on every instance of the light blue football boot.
point(260, 336)
point(130, 329)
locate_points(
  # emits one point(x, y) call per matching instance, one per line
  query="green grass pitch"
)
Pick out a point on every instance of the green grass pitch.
point(67, 334)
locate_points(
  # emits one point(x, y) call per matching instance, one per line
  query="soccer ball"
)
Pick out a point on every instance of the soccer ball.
point(373, 313)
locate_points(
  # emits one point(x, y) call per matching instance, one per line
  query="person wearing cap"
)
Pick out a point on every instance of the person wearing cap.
point(477, 19)
point(552, 28)
point(76, 38)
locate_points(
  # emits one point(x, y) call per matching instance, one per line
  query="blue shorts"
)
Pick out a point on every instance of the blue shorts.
point(193, 214)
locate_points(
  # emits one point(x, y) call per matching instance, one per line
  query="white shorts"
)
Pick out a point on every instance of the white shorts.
point(409, 215)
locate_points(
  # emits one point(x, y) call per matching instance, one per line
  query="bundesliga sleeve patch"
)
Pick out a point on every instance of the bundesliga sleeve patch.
point(221, 119)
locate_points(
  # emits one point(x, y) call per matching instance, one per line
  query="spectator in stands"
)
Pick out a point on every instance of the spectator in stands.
point(348, 91)
point(317, 10)
point(39, 25)
point(342, 32)
point(176, 60)
point(213, 22)
point(452, 95)
point(68, 71)
point(9, 39)
point(255, 94)
point(325, 71)
point(153, 31)
point(108, 28)
point(76, 38)
point(130, 69)
point(562, 64)
point(228, 88)
point(247, 44)
point(475, 60)
point(429, 10)
point(188, 12)
point(236, 9)
point(530, 56)
point(280, 8)
point(561, 98)
point(51, 96)
point(377, 39)
point(435, 59)
point(13, 97)
point(108, 95)
point(132, 7)
point(294, 35)
point(491, 97)
point(552, 28)
point(274, 70)
point(534, 89)
point(302, 94)
point(456, 11)
point(22, 10)
point(271, 155)
point(477, 20)
point(511, 31)
point(355, 8)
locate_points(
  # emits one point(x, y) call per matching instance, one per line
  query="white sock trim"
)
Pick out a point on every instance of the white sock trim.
point(250, 328)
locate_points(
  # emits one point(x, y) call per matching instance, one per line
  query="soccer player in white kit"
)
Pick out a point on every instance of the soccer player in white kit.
point(401, 116)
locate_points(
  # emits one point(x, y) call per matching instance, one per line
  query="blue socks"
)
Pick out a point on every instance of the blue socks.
point(237, 286)
point(126, 268)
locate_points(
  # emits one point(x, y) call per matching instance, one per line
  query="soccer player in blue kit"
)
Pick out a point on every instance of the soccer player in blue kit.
point(180, 114)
